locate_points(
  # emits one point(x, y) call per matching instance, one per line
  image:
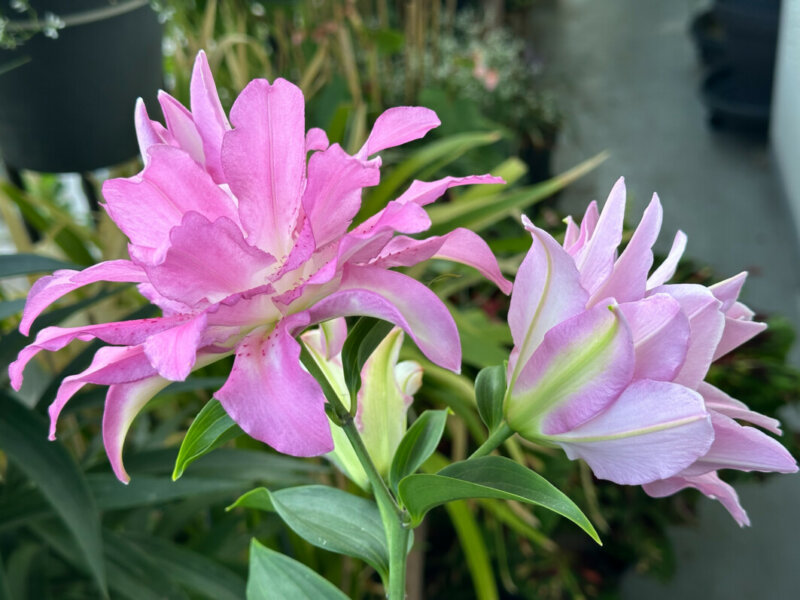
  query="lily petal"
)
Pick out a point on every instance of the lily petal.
point(709, 484)
point(742, 448)
point(147, 206)
point(273, 398)
point(720, 402)
point(173, 352)
point(547, 291)
point(181, 125)
point(579, 369)
point(653, 430)
point(595, 260)
point(194, 270)
point(264, 161)
point(122, 333)
point(628, 279)
point(316, 139)
point(333, 335)
point(111, 364)
point(123, 402)
point(660, 333)
point(52, 287)
point(425, 192)
point(706, 324)
point(401, 300)
point(666, 269)
point(147, 133)
point(208, 115)
point(460, 245)
point(737, 331)
point(333, 194)
point(397, 126)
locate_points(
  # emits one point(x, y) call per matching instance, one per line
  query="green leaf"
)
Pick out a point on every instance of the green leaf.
point(441, 152)
point(25, 264)
point(328, 518)
point(189, 569)
point(490, 390)
point(487, 477)
point(419, 442)
point(482, 212)
point(211, 428)
point(23, 436)
point(11, 307)
point(273, 576)
point(361, 342)
point(5, 592)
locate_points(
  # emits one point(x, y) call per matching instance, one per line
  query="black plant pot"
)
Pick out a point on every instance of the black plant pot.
point(66, 104)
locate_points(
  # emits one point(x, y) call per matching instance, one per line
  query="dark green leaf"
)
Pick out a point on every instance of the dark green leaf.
point(328, 518)
point(488, 477)
point(490, 390)
point(11, 307)
point(191, 569)
point(25, 264)
point(274, 576)
point(419, 442)
point(211, 428)
point(23, 437)
point(5, 592)
point(144, 490)
point(361, 342)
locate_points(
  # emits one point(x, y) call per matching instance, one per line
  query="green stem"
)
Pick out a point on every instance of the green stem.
point(497, 437)
point(394, 518)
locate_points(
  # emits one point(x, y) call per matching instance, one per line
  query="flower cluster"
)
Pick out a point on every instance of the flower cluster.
point(609, 363)
point(243, 241)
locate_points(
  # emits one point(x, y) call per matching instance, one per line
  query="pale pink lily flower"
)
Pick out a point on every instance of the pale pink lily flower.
point(243, 242)
point(609, 361)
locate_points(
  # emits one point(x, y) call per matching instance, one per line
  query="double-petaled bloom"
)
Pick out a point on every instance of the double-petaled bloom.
point(243, 242)
point(609, 360)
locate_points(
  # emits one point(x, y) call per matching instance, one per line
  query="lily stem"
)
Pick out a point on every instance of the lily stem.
point(497, 437)
point(395, 519)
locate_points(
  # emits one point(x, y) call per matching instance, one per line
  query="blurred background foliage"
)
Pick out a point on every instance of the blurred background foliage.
point(68, 528)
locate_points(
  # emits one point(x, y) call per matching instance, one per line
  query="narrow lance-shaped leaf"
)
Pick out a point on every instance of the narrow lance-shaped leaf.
point(273, 575)
point(360, 344)
point(25, 264)
point(211, 428)
point(419, 442)
point(487, 477)
point(327, 518)
point(490, 389)
point(23, 437)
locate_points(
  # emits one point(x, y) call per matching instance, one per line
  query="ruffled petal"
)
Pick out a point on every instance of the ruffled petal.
point(122, 333)
point(397, 126)
point(273, 398)
point(661, 336)
point(401, 300)
point(628, 279)
point(147, 206)
point(547, 291)
point(709, 484)
point(460, 245)
point(209, 117)
point(580, 368)
point(173, 352)
point(666, 269)
point(333, 194)
point(720, 402)
point(653, 430)
point(195, 270)
point(742, 448)
point(595, 260)
point(264, 159)
point(52, 287)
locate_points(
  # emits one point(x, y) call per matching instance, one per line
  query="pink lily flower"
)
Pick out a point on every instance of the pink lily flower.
point(243, 242)
point(609, 361)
